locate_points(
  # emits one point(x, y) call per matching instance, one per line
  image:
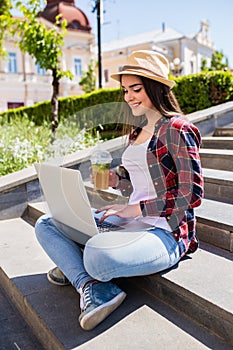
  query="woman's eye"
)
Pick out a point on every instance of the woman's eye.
point(137, 89)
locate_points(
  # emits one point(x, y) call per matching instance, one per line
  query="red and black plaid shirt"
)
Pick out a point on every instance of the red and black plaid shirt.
point(175, 168)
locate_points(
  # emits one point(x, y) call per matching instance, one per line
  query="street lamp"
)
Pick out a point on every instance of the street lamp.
point(98, 6)
point(176, 66)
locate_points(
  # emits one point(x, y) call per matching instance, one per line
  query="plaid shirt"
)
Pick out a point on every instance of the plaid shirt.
point(175, 168)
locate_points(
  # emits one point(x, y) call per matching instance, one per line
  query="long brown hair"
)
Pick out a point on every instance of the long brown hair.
point(161, 97)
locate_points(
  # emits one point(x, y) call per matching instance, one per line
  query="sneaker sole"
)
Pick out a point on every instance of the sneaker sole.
point(97, 315)
point(56, 282)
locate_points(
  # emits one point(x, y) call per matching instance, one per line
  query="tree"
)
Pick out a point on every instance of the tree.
point(88, 80)
point(217, 62)
point(5, 24)
point(45, 45)
point(204, 64)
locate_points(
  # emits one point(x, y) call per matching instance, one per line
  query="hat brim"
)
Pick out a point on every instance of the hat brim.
point(117, 77)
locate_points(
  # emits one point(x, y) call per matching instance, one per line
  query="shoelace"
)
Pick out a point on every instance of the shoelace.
point(85, 299)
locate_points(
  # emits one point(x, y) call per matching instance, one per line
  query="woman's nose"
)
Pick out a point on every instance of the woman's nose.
point(128, 96)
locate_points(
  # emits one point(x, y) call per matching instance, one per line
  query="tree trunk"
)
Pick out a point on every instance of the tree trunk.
point(54, 103)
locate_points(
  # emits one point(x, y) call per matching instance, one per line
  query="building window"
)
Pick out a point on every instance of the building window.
point(75, 24)
point(191, 67)
point(106, 75)
point(39, 70)
point(12, 63)
point(77, 67)
point(11, 105)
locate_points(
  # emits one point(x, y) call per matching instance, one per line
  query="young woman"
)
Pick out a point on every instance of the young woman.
point(160, 173)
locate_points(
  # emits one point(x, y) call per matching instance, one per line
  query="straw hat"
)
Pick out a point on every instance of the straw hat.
point(149, 64)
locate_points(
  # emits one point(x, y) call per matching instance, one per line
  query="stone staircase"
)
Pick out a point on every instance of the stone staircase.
point(189, 306)
point(226, 131)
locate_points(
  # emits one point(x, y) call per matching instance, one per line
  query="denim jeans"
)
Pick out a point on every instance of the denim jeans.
point(108, 255)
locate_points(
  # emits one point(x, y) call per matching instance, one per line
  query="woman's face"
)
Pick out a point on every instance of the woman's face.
point(135, 95)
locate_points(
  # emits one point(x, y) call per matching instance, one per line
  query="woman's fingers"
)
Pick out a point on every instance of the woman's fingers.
point(115, 207)
point(108, 213)
point(103, 208)
point(110, 210)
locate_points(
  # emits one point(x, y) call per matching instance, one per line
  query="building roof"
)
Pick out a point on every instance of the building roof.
point(155, 36)
point(76, 18)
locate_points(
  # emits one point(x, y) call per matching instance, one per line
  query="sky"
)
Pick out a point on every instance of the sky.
point(123, 18)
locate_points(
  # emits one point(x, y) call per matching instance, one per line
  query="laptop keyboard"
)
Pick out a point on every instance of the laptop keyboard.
point(106, 226)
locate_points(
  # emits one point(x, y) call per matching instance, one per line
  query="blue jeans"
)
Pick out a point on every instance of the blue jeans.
point(108, 255)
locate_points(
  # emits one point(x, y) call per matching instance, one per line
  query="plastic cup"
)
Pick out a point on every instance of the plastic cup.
point(101, 161)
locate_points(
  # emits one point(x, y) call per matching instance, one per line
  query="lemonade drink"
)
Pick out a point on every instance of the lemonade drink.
point(101, 161)
point(100, 173)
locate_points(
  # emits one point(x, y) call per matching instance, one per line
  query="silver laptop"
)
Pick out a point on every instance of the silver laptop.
point(68, 204)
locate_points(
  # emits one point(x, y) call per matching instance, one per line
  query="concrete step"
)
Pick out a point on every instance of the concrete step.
point(217, 158)
point(200, 313)
point(219, 142)
point(226, 131)
point(215, 223)
point(218, 185)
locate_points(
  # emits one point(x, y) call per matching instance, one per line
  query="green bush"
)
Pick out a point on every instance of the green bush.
point(194, 92)
point(203, 90)
point(90, 110)
point(221, 87)
point(68, 106)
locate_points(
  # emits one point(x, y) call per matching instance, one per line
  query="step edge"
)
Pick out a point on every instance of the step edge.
point(40, 329)
point(166, 290)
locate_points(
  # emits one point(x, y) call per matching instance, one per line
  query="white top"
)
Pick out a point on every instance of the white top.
point(135, 161)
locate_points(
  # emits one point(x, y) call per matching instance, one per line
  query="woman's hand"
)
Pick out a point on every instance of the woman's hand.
point(113, 179)
point(120, 210)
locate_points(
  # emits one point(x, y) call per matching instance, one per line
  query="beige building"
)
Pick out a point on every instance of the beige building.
point(23, 83)
point(185, 53)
